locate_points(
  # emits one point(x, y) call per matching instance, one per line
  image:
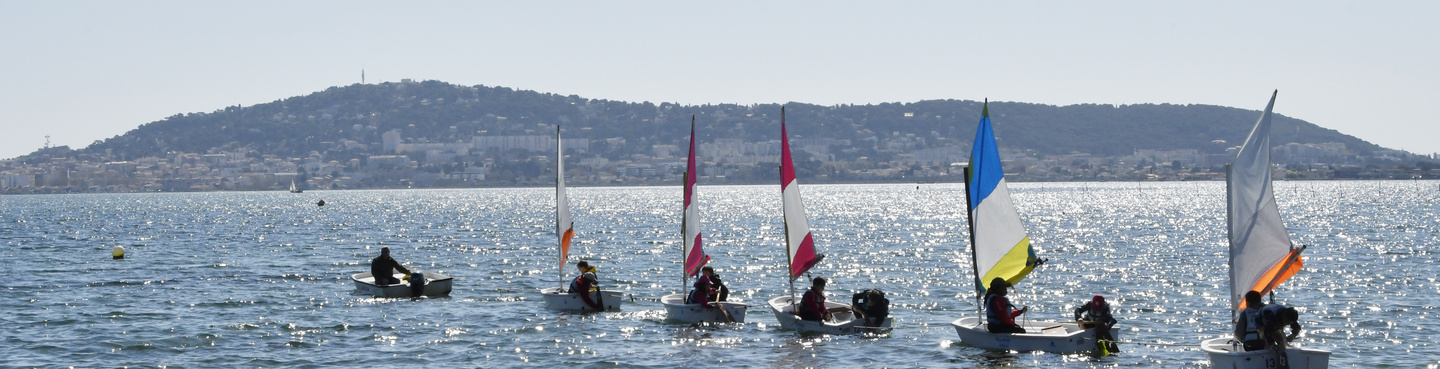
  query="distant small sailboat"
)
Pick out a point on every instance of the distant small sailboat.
point(1261, 253)
point(556, 298)
point(693, 257)
point(800, 249)
point(294, 188)
point(1001, 249)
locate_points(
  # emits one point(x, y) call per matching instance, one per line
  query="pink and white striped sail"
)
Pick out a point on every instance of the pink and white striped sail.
point(690, 222)
point(798, 241)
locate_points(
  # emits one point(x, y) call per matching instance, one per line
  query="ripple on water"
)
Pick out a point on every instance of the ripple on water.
point(262, 279)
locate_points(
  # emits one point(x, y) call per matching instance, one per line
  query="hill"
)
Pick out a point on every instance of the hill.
point(436, 134)
point(433, 111)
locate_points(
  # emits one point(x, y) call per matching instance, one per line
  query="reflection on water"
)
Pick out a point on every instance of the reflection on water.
point(262, 279)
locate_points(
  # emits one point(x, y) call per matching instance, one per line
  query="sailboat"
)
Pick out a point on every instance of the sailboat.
point(1001, 249)
point(295, 189)
point(693, 257)
point(557, 298)
point(800, 247)
point(1261, 253)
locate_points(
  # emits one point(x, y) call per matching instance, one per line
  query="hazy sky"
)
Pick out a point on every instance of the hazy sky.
point(85, 71)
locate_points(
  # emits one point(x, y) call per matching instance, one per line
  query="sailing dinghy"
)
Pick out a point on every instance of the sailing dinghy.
point(1001, 249)
point(693, 257)
point(557, 298)
point(1261, 253)
point(801, 251)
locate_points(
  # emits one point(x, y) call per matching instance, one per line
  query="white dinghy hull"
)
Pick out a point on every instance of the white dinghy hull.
point(676, 309)
point(1226, 354)
point(557, 300)
point(436, 284)
point(843, 322)
point(1054, 337)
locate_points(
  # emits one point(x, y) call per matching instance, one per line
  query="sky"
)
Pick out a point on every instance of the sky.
point(81, 71)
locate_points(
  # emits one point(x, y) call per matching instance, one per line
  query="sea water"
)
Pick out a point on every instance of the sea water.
point(262, 279)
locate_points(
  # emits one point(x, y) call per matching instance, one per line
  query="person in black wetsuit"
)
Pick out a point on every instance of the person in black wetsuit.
point(717, 287)
point(1096, 313)
point(383, 268)
point(872, 306)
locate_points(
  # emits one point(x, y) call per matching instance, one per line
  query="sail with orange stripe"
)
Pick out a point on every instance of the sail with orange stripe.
point(564, 228)
point(1261, 253)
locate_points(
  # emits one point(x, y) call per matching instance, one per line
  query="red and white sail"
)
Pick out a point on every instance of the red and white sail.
point(690, 222)
point(798, 241)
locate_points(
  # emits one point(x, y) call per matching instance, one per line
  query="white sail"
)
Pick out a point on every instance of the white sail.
point(1258, 240)
point(564, 228)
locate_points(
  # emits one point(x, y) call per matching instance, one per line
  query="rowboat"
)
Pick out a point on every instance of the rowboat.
point(436, 284)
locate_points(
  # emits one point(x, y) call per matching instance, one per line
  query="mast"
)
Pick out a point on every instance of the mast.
point(1230, 237)
point(974, 263)
point(684, 276)
point(784, 221)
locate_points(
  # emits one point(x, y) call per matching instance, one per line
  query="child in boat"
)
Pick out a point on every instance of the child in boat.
point(1097, 312)
point(703, 288)
point(812, 305)
point(1247, 325)
point(582, 285)
point(585, 267)
point(999, 313)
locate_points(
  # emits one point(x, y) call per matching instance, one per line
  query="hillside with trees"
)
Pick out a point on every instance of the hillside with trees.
point(433, 111)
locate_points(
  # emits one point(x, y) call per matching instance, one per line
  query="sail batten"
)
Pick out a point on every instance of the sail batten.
point(1261, 253)
point(1001, 247)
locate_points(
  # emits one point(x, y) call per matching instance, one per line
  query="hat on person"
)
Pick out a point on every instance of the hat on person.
point(999, 283)
point(588, 276)
point(1098, 301)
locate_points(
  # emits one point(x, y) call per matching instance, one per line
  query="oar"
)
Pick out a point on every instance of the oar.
point(728, 318)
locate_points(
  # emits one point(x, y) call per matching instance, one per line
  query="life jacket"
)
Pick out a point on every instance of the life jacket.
point(578, 284)
point(992, 312)
point(702, 291)
point(1096, 314)
point(1252, 323)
